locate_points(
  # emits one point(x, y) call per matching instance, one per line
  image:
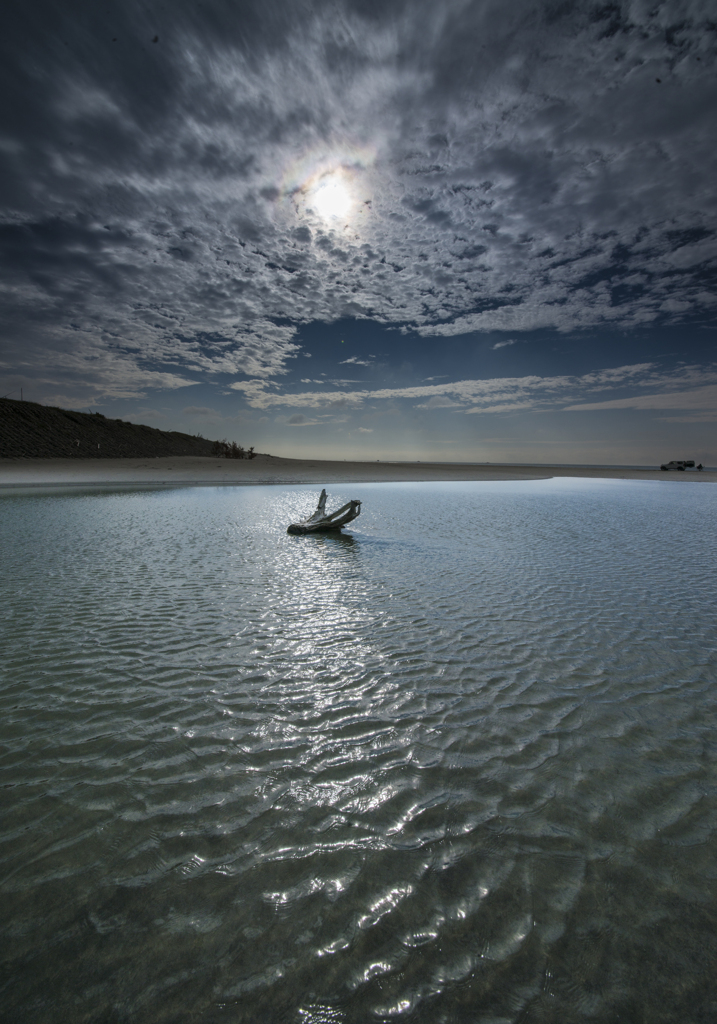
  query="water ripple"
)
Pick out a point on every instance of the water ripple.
point(418, 773)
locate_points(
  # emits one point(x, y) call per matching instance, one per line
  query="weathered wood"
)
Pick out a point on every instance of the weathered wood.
point(319, 522)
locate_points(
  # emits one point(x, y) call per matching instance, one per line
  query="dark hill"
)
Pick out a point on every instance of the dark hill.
point(29, 430)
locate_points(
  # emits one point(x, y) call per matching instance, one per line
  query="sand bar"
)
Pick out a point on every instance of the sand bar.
point(268, 469)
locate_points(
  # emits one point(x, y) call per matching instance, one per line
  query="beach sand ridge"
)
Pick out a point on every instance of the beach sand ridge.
point(269, 469)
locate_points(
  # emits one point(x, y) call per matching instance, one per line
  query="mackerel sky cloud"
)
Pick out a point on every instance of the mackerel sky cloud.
point(503, 196)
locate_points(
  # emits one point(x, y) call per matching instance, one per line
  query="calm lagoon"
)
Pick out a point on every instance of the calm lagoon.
point(457, 765)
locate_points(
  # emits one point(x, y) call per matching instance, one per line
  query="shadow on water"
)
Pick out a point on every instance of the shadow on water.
point(326, 540)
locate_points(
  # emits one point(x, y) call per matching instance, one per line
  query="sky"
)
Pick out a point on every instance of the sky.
point(457, 231)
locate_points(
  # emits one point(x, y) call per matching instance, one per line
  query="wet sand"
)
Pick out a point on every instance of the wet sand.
point(268, 469)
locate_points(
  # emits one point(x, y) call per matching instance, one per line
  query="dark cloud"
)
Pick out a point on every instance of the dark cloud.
point(511, 167)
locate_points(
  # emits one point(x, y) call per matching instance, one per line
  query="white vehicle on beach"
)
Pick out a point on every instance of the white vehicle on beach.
point(681, 465)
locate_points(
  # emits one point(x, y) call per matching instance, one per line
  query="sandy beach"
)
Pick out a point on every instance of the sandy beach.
point(268, 469)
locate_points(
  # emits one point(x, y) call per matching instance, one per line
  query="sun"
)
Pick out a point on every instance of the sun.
point(331, 198)
point(332, 185)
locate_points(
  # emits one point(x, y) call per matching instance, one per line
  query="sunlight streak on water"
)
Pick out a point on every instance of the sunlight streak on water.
point(455, 766)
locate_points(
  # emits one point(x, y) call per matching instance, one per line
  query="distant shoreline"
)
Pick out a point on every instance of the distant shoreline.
point(198, 471)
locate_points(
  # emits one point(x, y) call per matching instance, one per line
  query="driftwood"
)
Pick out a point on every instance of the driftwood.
point(319, 522)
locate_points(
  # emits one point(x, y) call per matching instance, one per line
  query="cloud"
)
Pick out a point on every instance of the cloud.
point(691, 384)
point(256, 391)
point(504, 344)
point(83, 368)
point(355, 361)
point(504, 407)
point(438, 402)
point(142, 415)
point(198, 410)
point(365, 430)
point(702, 417)
point(300, 420)
point(697, 398)
point(510, 167)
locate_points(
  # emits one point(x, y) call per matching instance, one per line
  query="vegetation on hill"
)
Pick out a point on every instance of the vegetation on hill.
point(232, 451)
point(29, 430)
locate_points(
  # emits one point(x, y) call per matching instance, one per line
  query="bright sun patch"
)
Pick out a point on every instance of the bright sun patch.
point(331, 198)
point(334, 186)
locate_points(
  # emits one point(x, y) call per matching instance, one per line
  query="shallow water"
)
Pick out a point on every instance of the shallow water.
point(455, 767)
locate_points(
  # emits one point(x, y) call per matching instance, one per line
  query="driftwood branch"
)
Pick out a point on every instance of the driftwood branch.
point(321, 522)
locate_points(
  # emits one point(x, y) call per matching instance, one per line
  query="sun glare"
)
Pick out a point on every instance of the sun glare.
point(331, 198)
